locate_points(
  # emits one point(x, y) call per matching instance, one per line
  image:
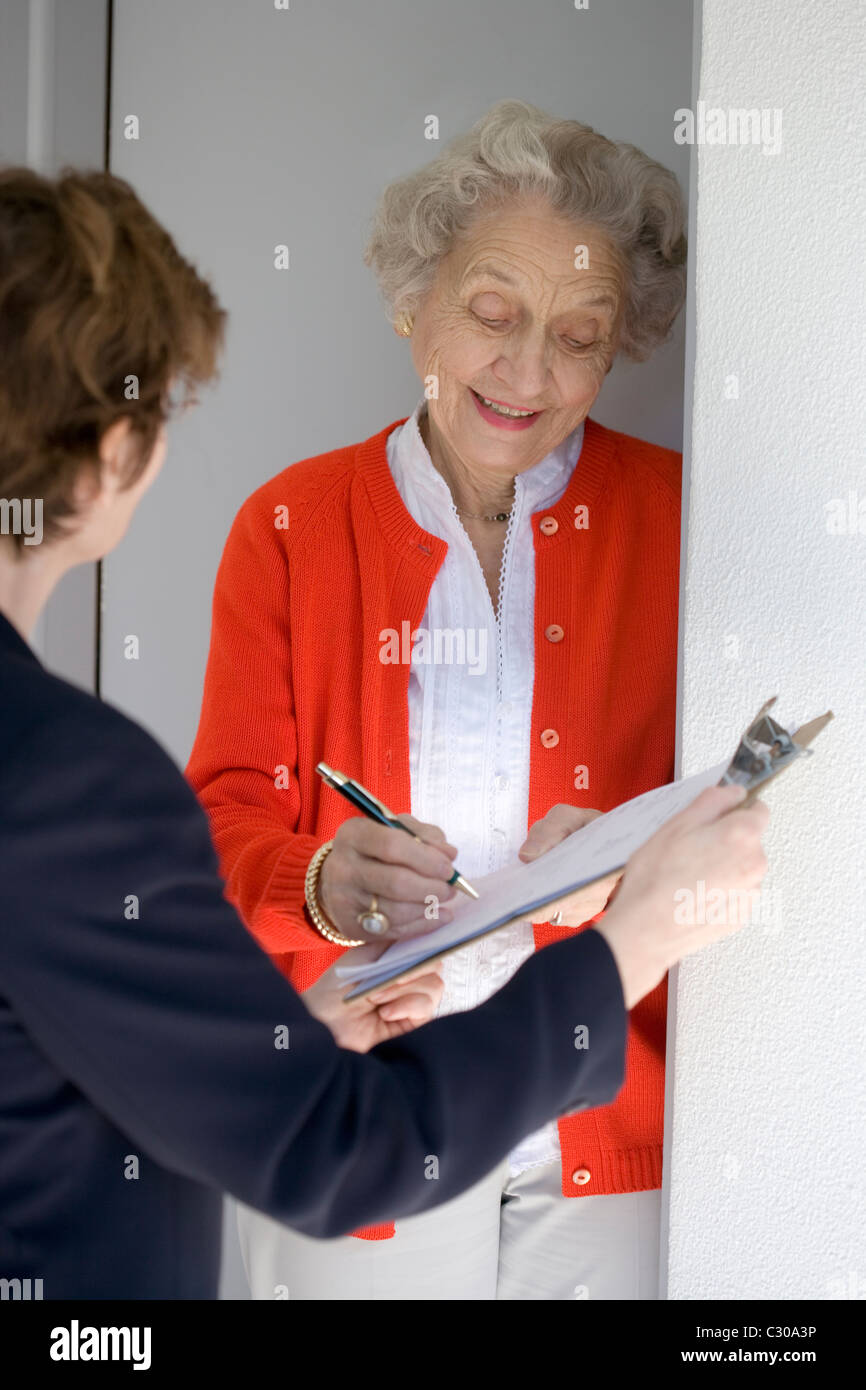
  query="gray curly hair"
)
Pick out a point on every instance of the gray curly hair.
point(516, 151)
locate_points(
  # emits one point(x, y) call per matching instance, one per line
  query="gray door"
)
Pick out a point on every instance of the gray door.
point(260, 126)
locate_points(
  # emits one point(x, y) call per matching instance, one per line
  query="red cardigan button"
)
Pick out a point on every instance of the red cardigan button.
point(550, 738)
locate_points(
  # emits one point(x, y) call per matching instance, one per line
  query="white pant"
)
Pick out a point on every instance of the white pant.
point(506, 1238)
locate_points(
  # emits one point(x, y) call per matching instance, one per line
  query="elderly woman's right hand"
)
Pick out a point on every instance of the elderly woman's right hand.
point(711, 841)
point(409, 880)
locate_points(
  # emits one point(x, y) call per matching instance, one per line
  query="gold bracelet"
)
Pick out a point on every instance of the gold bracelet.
point(322, 924)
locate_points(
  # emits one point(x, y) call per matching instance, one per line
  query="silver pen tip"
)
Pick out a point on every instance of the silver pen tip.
point(460, 882)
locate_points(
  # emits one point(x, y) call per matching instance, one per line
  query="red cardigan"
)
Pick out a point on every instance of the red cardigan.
point(319, 561)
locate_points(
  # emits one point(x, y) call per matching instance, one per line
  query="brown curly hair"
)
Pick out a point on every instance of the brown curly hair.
point(101, 319)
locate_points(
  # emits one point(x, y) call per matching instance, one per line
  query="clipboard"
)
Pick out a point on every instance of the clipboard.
point(766, 749)
point(763, 753)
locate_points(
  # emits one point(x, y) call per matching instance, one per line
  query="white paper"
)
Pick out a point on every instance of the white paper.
point(518, 890)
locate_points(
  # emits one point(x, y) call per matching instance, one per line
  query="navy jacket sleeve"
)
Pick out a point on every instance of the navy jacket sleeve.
point(136, 978)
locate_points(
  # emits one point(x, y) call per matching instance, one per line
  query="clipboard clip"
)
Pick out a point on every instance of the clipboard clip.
point(765, 749)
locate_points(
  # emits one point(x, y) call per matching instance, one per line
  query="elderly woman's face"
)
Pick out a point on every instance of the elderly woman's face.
point(510, 324)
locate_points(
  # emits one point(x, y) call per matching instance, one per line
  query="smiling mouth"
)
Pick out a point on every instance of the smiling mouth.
point(508, 412)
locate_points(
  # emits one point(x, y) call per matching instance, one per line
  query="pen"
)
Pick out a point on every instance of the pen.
point(370, 805)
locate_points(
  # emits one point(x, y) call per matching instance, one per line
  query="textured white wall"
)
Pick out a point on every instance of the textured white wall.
point(767, 1138)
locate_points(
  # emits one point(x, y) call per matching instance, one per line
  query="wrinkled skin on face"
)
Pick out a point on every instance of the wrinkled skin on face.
point(510, 317)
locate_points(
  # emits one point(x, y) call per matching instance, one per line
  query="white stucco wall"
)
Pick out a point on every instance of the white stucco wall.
point(766, 1143)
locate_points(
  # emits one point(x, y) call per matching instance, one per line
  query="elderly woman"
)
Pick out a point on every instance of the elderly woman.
point(474, 613)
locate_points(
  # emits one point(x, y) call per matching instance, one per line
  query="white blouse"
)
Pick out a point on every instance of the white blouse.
point(470, 706)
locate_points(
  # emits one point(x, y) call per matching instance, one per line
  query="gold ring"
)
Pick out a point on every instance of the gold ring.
point(374, 922)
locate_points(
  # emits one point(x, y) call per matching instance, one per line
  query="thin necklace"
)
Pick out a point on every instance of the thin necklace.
point(482, 516)
point(487, 516)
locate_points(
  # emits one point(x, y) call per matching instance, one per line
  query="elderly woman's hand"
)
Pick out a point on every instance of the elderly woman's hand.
point(560, 822)
point(396, 1008)
point(408, 880)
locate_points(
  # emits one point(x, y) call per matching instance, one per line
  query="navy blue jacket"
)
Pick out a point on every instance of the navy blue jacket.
point(139, 1075)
